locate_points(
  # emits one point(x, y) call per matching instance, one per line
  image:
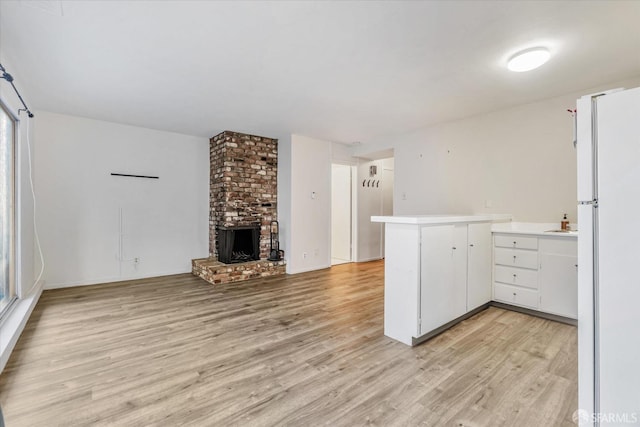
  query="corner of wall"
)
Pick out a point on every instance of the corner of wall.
point(284, 195)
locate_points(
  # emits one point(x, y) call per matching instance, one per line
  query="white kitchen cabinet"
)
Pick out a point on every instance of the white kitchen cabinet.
point(516, 276)
point(455, 272)
point(536, 272)
point(516, 258)
point(402, 282)
point(515, 271)
point(443, 275)
point(437, 271)
point(460, 235)
point(478, 264)
point(441, 269)
point(558, 277)
point(516, 242)
point(516, 295)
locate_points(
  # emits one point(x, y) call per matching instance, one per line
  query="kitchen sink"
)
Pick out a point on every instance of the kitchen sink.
point(561, 231)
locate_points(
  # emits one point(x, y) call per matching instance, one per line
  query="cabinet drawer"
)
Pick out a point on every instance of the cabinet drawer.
point(559, 246)
point(516, 276)
point(514, 295)
point(516, 258)
point(517, 242)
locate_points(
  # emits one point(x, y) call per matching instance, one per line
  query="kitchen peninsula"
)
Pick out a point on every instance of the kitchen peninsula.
point(437, 272)
point(441, 269)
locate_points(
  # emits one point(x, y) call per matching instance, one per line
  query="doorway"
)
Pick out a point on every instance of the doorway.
point(341, 211)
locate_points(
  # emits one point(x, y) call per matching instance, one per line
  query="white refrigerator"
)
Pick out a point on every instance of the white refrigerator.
point(608, 150)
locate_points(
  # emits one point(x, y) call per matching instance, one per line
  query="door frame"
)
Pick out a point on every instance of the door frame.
point(354, 210)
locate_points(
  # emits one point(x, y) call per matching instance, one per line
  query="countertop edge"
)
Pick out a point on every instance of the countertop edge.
point(533, 229)
point(437, 219)
point(537, 233)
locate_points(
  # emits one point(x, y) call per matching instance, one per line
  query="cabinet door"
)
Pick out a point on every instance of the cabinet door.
point(558, 283)
point(478, 265)
point(442, 298)
point(460, 239)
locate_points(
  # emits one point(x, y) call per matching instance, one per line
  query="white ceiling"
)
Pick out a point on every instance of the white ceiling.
point(341, 71)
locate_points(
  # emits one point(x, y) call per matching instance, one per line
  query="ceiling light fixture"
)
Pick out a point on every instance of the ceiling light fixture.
point(528, 59)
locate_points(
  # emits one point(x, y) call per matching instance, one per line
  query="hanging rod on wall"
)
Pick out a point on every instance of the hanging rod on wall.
point(8, 77)
point(135, 176)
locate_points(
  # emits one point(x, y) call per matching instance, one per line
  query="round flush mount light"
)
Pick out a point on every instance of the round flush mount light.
point(528, 59)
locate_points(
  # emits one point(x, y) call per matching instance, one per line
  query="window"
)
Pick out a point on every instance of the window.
point(7, 197)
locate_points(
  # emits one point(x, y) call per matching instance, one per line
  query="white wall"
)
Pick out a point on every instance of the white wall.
point(164, 221)
point(341, 154)
point(387, 186)
point(309, 232)
point(387, 193)
point(519, 160)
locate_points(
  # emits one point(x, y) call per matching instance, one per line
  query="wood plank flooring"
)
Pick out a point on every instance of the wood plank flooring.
point(304, 350)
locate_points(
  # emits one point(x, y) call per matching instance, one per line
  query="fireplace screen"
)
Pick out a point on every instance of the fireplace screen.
point(238, 244)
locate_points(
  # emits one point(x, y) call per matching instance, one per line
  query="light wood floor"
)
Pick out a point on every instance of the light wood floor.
point(301, 350)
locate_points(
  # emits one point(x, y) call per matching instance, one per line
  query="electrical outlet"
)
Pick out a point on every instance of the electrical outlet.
point(304, 255)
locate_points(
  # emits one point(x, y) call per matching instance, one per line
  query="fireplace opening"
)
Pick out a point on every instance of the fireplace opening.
point(238, 244)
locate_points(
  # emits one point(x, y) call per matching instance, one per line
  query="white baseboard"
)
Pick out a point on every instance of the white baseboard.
point(112, 279)
point(376, 258)
point(306, 270)
point(322, 267)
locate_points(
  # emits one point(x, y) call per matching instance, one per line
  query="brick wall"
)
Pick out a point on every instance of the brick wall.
point(243, 185)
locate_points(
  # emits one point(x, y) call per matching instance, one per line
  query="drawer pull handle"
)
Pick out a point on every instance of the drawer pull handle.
point(515, 276)
point(514, 294)
point(514, 243)
point(514, 258)
point(471, 245)
point(454, 248)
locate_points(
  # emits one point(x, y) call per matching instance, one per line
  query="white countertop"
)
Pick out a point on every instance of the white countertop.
point(439, 219)
point(534, 228)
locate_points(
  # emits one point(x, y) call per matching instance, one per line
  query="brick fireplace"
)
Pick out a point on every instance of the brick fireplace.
point(242, 195)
